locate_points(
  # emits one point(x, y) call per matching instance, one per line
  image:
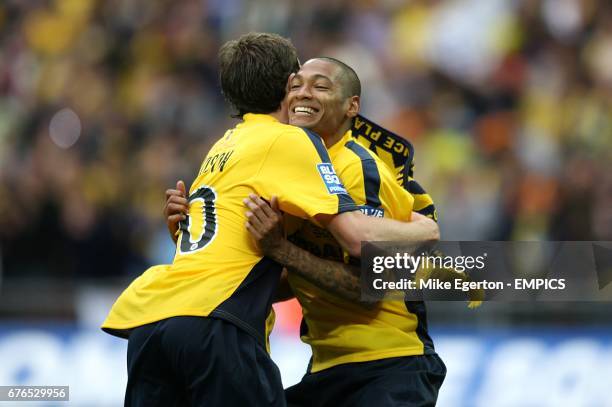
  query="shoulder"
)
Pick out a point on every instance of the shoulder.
point(359, 152)
point(360, 155)
point(273, 136)
point(373, 167)
point(302, 140)
point(299, 133)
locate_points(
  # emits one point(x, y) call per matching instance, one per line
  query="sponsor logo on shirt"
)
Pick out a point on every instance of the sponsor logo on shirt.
point(331, 180)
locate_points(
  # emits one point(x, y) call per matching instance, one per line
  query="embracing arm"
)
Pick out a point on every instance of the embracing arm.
point(351, 228)
point(332, 276)
point(265, 225)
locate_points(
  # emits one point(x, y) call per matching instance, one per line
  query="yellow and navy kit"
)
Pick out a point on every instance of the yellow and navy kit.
point(340, 331)
point(398, 154)
point(217, 269)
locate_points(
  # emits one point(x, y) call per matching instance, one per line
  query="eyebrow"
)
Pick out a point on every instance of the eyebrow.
point(315, 77)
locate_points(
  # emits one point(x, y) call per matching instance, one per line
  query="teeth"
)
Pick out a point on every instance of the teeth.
point(302, 109)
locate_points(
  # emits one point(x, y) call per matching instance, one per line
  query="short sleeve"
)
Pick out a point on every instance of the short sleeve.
point(297, 169)
point(423, 203)
point(399, 201)
point(352, 174)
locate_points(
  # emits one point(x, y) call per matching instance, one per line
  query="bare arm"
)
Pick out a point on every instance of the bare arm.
point(351, 228)
point(265, 225)
point(332, 276)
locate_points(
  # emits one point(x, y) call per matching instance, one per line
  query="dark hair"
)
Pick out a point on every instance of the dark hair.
point(253, 71)
point(351, 83)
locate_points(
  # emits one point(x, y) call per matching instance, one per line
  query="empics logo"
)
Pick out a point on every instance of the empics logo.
point(331, 180)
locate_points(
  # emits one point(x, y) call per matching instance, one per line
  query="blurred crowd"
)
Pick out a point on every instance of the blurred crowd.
point(105, 104)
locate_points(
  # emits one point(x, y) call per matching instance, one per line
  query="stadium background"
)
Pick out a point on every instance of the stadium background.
point(105, 104)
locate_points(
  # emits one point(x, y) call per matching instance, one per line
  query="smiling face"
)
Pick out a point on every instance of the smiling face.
point(318, 99)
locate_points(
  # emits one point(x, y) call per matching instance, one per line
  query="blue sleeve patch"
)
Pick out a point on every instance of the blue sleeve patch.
point(331, 180)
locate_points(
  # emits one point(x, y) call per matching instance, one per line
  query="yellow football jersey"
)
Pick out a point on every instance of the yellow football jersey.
point(398, 154)
point(423, 203)
point(340, 331)
point(217, 270)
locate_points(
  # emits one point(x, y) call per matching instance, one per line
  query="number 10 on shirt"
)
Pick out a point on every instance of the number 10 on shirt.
point(200, 226)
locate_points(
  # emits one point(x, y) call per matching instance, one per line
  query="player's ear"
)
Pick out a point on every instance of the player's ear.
point(353, 108)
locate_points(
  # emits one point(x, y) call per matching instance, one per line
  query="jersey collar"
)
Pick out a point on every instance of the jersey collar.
point(338, 146)
point(258, 117)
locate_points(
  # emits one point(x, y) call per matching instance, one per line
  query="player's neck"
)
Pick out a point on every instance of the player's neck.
point(332, 139)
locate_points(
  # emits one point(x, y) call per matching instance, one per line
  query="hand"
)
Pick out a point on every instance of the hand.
point(265, 223)
point(176, 209)
point(429, 227)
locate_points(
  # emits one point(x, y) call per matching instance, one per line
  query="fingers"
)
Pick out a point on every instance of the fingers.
point(257, 207)
point(175, 219)
point(253, 231)
point(174, 192)
point(176, 209)
point(264, 208)
point(261, 216)
point(178, 200)
point(255, 222)
point(178, 195)
point(180, 186)
point(176, 205)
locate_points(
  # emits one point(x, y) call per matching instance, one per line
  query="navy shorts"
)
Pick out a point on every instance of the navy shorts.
point(403, 381)
point(197, 361)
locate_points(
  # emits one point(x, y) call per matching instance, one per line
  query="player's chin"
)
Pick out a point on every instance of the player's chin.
point(302, 121)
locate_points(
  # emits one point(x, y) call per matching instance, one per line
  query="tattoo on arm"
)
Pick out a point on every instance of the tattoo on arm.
point(336, 277)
